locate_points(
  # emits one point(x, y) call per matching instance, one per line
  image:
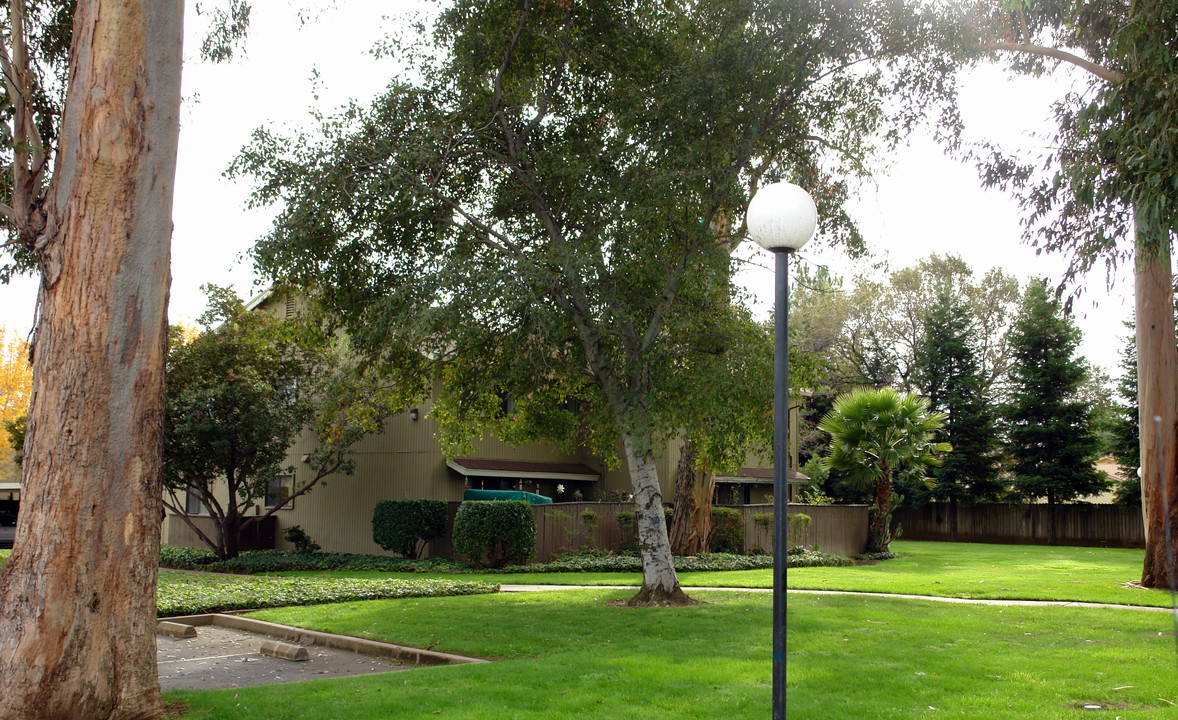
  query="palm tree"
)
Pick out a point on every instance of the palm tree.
point(876, 434)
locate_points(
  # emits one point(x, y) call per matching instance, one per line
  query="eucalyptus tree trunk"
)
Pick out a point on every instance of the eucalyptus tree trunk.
point(77, 597)
point(695, 484)
point(1157, 397)
point(660, 585)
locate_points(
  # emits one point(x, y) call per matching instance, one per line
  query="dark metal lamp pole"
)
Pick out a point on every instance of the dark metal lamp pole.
point(781, 218)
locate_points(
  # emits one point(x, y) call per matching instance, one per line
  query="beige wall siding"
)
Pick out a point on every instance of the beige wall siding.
point(406, 461)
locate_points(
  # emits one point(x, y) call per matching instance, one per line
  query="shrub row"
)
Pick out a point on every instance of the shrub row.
point(181, 594)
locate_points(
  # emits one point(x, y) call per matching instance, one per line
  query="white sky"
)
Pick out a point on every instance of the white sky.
point(926, 204)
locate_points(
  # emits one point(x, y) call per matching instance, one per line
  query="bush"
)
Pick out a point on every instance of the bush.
point(797, 528)
point(405, 526)
point(813, 558)
point(298, 537)
point(727, 531)
point(493, 533)
point(183, 558)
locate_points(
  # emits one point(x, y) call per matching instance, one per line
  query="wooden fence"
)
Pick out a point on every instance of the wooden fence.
point(1086, 525)
point(569, 527)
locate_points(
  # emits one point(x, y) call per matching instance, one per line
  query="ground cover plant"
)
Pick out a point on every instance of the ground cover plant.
point(188, 594)
point(572, 654)
point(978, 570)
point(269, 561)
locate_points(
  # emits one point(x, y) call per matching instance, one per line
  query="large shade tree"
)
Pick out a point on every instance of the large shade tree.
point(1110, 193)
point(546, 203)
point(239, 394)
point(77, 595)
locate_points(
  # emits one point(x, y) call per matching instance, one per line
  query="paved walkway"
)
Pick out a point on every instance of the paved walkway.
point(930, 598)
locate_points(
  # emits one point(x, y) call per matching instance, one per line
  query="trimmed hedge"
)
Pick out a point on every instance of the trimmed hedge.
point(493, 533)
point(405, 526)
point(727, 531)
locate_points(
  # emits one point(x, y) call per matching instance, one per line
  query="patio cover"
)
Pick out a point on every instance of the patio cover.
point(523, 470)
point(760, 476)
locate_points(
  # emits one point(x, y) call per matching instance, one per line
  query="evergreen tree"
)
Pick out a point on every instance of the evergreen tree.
point(1050, 440)
point(949, 373)
point(1126, 448)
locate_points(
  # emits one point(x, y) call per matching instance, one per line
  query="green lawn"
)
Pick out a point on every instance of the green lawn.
point(967, 570)
point(563, 654)
point(976, 570)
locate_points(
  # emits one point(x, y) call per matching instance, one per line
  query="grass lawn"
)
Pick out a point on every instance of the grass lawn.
point(976, 570)
point(569, 654)
point(967, 570)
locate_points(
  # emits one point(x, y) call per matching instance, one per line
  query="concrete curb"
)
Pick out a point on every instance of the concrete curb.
point(174, 629)
point(403, 654)
point(285, 651)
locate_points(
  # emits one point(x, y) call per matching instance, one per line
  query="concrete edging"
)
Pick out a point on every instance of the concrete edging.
point(401, 653)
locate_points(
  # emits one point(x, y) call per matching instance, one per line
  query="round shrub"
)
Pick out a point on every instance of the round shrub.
point(405, 526)
point(727, 531)
point(494, 533)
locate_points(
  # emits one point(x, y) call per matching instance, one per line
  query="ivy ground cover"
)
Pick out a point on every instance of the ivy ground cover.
point(570, 653)
point(183, 593)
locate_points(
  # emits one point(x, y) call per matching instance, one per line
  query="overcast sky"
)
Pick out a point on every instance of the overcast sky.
point(927, 202)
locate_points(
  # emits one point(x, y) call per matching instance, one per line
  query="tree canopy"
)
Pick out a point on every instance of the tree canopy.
point(547, 202)
point(875, 435)
point(238, 394)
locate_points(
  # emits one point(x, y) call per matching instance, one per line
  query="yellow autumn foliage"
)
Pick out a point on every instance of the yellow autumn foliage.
point(16, 387)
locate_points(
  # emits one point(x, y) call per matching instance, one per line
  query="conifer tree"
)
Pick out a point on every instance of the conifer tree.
point(949, 374)
point(1050, 439)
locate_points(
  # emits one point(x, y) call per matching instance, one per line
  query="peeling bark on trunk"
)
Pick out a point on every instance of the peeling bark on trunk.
point(691, 525)
point(660, 585)
point(77, 609)
point(1157, 395)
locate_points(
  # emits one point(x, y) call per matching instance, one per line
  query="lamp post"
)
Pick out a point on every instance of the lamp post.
point(781, 218)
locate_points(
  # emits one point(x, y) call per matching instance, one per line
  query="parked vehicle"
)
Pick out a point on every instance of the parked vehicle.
point(7, 530)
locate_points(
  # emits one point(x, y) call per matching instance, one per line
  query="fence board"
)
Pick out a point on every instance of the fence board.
point(1084, 525)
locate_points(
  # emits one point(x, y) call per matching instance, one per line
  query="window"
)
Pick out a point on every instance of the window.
point(192, 503)
point(279, 489)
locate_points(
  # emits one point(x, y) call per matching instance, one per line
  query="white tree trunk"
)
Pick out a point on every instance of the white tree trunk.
point(77, 609)
point(660, 584)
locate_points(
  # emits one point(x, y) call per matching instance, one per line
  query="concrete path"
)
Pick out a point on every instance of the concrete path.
point(930, 598)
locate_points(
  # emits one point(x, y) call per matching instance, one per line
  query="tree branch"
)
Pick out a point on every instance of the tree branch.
point(1100, 71)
